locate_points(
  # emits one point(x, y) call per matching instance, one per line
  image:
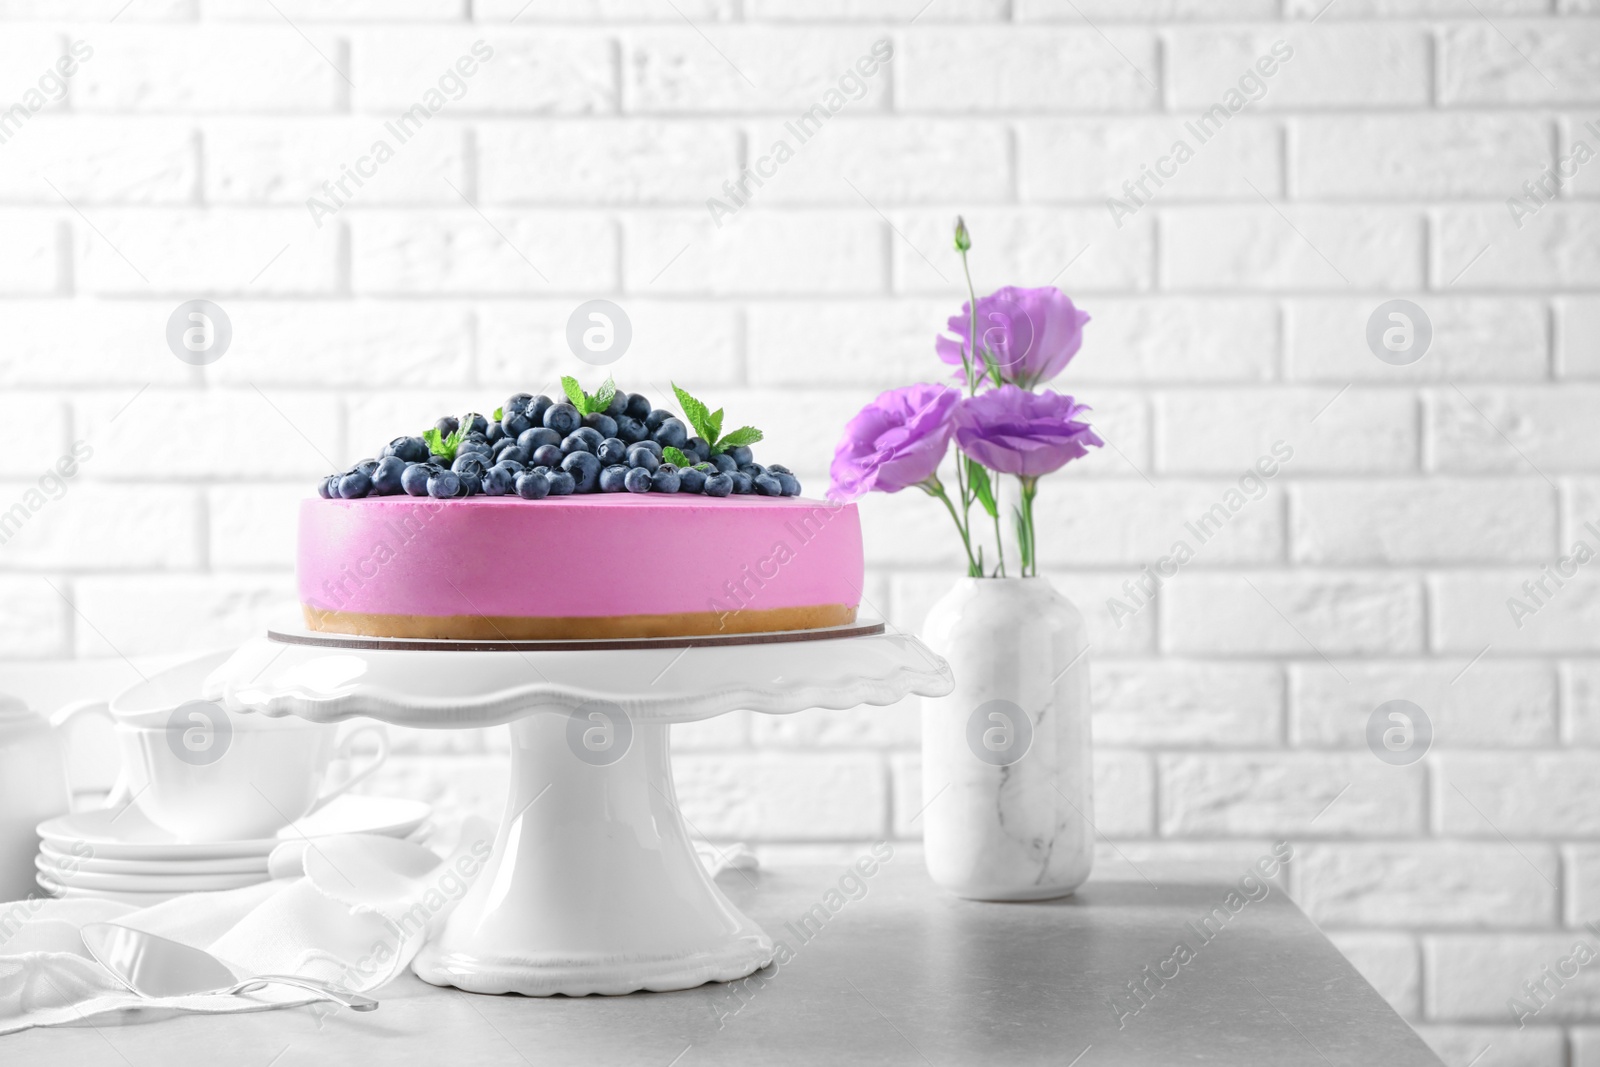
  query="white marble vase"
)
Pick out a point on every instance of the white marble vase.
point(1007, 777)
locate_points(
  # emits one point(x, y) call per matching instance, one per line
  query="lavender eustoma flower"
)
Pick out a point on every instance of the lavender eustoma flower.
point(1031, 333)
point(896, 441)
point(1013, 431)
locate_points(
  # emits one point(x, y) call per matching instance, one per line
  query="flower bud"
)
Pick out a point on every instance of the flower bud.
point(963, 239)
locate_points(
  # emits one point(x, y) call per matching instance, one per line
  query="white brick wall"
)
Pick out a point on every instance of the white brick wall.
point(1229, 313)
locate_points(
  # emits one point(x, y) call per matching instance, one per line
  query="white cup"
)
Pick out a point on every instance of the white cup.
point(205, 774)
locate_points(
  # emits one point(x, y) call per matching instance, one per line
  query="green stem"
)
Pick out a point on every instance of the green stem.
point(989, 368)
point(1030, 562)
point(933, 487)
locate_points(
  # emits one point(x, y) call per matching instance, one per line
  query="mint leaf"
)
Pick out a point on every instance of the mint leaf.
point(434, 439)
point(603, 398)
point(744, 435)
point(499, 413)
point(574, 391)
point(714, 424)
point(697, 414)
point(676, 457)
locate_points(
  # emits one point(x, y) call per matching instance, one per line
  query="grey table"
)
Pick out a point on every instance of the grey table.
point(902, 974)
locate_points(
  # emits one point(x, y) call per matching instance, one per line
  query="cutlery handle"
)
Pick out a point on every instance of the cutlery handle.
point(354, 1001)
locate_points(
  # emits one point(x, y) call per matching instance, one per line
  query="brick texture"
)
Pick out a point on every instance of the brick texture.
point(1412, 547)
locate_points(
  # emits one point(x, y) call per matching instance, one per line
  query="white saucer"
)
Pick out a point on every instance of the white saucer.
point(138, 900)
point(145, 883)
point(127, 834)
point(54, 856)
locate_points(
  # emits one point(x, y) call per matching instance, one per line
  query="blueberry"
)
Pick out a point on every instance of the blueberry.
point(499, 479)
point(618, 405)
point(517, 466)
point(768, 485)
point(547, 456)
point(386, 479)
point(692, 480)
point(630, 429)
point(754, 470)
point(531, 485)
point(778, 468)
point(724, 463)
point(638, 480)
point(469, 463)
point(791, 484)
point(537, 407)
point(415, 479)
point(474, 423)
point(653, 447)
point(475, 436)
point(672, 432)
point(515, 423)
point(354, 484)
point(614, 479)
point(741, 455)
point(563, 418)
point(698, 448)
point(443, 485)
point(475, 448)
point(719, 484)
point(447, 425)
point(742, 483)
point(516, 404)
point(496, 432)
point(666, 480)
point(500, 444)
point(471, 483)
point(574, 443)
point(656, 417)
point(611, 451)
point(562, 483)
point(328, 488)
point(365, 466)
point(542, 470)
point(410, 449)
point(585, 470)
point(604, 424)
point(514, 454)
point(643, 459)
point(638, 406)
point(537, 436)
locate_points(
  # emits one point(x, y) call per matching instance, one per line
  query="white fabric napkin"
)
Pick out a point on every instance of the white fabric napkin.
point(351, 909)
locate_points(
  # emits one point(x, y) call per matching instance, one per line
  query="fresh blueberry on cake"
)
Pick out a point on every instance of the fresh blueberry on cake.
point(478, 528)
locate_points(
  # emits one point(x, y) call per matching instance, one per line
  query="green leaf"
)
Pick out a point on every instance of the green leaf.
point(676, 457)
point(697, 414)
point(714, 424)
point(603, 398)
point(978, 479)
point(744, 435)
point(574, 391)
point(499, 413)
point(440, 444)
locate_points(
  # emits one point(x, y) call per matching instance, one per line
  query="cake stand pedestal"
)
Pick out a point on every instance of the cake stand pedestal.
point(593, 884)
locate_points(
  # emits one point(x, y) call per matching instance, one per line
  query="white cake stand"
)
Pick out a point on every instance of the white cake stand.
point(593, 885)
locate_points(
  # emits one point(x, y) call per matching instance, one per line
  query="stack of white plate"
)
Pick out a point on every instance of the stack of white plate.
point(123, 856)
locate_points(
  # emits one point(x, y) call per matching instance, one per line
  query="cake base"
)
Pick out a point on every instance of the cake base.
point(578, 628)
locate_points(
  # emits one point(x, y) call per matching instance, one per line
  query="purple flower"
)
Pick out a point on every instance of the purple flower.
point(1013, 431)
point(897, 440)
point(1032, 333)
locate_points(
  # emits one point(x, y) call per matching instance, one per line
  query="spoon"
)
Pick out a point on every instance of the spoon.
point(154, 966)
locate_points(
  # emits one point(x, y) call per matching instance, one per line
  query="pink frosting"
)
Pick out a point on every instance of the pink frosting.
point(611, 554)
